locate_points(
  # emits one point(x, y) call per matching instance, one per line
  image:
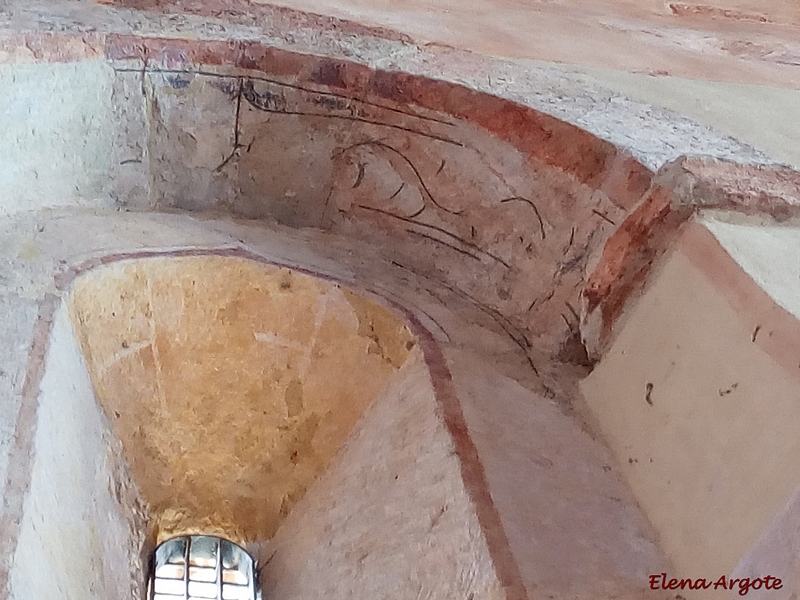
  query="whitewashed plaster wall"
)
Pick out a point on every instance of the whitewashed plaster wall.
point(56, 137)
point(81, 532)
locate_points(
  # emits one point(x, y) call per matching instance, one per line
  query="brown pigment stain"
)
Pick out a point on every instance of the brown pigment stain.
point(294, 398)
point(376, 323)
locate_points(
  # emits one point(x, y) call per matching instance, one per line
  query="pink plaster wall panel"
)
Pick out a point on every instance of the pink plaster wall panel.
point(696, 396)
point(573, 526)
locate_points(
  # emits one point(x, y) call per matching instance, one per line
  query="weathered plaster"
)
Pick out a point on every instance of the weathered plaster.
point(231, 384)
point(344, 259)
point(56, 135)
point(476, 214)
point(573, 525)
point(387, 520)
point(426, 171)
point(82, 530)
point(655, 50)
point(697, 398)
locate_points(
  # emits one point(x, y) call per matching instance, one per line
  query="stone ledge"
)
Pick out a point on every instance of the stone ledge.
point(678, 191)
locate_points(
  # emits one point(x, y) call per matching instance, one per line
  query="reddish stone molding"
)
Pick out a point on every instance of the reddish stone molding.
point(538, 136)
point(627, 260)
point(472, 471)
point(678, 191)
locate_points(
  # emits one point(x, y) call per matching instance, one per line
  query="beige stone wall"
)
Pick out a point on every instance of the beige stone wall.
point(697, 397)
point(56, 141)
point(391, 517)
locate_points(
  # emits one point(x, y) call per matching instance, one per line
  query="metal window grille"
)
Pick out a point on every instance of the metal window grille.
point(202, 567)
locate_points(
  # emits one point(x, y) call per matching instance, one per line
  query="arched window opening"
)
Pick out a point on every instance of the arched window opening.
point(202, 567)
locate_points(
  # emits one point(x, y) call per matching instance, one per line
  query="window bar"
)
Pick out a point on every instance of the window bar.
point(256, 580)
point(219, 568)
point(242, 560)
point(186, 568)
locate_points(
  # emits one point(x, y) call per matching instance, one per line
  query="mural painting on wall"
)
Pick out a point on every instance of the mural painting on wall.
point(444, 197)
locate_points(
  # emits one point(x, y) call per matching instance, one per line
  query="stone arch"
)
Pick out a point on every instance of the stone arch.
point(503, 203)
point(91, 398)
point(497, 207)
point(506, 204)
